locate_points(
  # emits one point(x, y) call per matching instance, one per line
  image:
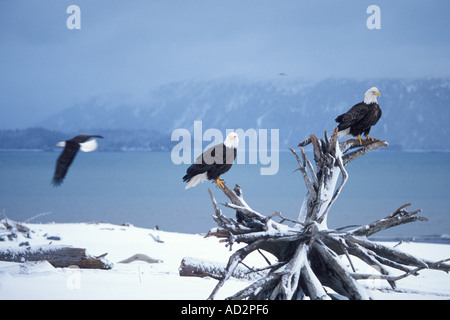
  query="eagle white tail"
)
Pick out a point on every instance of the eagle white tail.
point(344, 133)
point(196, 180)
point(89, 146)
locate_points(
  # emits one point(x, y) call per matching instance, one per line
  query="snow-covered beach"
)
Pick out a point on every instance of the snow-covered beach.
point(161, 281)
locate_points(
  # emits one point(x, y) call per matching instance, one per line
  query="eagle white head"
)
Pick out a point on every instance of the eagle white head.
point(371, 95)
point(232, 140)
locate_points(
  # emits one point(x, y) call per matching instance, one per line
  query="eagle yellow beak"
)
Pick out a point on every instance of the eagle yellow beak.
point(378, 93)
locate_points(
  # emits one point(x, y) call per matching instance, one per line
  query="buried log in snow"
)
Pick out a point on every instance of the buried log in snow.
point(193, 267)
point(311, 258)
point(57, 256)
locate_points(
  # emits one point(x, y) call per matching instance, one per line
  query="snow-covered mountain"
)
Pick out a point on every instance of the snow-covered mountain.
point(415, 112)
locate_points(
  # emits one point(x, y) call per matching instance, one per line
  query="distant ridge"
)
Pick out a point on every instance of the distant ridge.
point(415, 111)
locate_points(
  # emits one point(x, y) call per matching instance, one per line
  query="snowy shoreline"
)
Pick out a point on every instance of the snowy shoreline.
point(161, 281)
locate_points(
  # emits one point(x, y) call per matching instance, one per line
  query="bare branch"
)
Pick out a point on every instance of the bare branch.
point(312, 285)
point(368, 146)
point(214, 202)
point(338, 191)
point(399, 217)
point(389, 253)
point(247, 210)
point(257, 289)
point(233, 262)
point(402, 276)
point(302, 168)
point(311, 169)
point(338, 278)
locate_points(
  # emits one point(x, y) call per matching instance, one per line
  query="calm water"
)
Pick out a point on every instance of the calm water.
point(145, 189)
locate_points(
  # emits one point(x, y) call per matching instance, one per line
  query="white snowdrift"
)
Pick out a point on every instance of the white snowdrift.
point(161, 281)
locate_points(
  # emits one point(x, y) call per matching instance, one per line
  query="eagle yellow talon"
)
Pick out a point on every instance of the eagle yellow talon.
point(369, 138)
point(220, 183)
point(359, 139)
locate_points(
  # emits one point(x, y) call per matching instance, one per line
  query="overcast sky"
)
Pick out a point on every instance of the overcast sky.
point(125, 48)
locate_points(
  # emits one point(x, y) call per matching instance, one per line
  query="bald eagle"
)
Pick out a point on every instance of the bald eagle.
point(212, 163)
point(361, 117)
point(71, 148)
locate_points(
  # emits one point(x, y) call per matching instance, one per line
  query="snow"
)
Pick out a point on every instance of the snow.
point(161, 281)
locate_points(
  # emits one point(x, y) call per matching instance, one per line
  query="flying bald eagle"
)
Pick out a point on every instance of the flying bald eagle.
point(71, 148)
point(212, 163)
point(361, 117)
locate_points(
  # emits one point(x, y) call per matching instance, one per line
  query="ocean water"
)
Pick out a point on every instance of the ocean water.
point(146, 190)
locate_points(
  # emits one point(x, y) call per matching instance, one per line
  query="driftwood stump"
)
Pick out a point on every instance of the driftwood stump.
point(310, 255)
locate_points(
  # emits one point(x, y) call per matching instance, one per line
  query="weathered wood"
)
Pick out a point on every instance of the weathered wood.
point(388, 253)
point(13, 225)
point(311, 285)
point(259, 290)
point(193, 267)
point(290, 275)
point(57, 256)
point(309, 254)
point(332, 273)
point(367, 146)
point(233, 263)
point(434, 265)
point(10, 229)
point(399, 217)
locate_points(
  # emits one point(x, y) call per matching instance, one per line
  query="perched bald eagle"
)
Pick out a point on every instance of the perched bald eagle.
point(71, 148)
point(212, 163)
point(361, 117)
